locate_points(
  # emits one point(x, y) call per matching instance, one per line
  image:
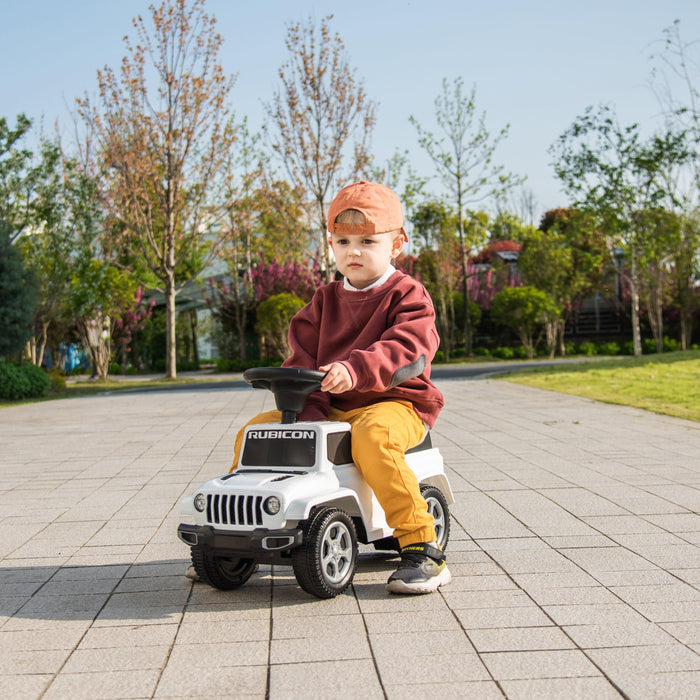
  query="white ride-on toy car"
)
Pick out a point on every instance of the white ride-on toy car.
point(298, 499)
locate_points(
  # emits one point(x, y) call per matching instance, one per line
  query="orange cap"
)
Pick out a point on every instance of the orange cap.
point(379, 204)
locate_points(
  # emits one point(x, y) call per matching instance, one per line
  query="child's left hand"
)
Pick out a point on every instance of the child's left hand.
point(337, 379)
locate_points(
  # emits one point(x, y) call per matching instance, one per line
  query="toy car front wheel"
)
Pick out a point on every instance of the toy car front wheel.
point(324, 564)
point(438, 508)
point(224, 573)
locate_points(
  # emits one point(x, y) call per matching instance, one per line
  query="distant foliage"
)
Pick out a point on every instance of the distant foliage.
point(17, 297)
point(274, 317)
point(24, 381)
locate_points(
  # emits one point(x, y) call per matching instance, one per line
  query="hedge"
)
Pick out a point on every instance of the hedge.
point(24, 381)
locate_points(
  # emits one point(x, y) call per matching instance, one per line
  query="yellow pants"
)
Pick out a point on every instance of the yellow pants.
point(381, 434)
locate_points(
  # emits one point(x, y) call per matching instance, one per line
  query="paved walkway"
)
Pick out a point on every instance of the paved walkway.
point(574, 554)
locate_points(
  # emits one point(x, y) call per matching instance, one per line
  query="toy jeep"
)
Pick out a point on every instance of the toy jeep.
point(298, 499)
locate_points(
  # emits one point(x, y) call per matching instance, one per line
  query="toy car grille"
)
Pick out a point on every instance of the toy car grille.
point(225, 509)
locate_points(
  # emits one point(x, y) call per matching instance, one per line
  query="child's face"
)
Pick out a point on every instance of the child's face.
point(363, 259)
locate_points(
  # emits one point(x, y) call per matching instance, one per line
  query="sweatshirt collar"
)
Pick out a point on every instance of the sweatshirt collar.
point(389, 272)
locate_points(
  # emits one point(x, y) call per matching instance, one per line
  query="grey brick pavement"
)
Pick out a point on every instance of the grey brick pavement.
point(574, 554)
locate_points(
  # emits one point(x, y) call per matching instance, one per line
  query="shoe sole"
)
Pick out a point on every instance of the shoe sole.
point(429, 586)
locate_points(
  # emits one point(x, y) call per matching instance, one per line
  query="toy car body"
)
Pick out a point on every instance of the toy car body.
point(297, 498)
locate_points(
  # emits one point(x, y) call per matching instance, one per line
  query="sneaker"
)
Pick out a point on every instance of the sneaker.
point(422, 570)
point(192, 574)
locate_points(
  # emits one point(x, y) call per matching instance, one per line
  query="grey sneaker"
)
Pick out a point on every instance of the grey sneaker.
point(422, 570)
point(192, 574)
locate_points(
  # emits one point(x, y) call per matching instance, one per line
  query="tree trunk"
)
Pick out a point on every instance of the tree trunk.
point(465, 278)
point(686, 329)
point(550, 327)
point(634, 311)
point(193, 327)
point(170, 343)
point(561, 327)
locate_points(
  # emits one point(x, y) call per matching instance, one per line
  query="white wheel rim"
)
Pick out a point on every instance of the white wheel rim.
point(435, 509)
point(336, 552)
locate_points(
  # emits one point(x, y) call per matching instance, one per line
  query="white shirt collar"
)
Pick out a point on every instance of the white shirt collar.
point(389, 272)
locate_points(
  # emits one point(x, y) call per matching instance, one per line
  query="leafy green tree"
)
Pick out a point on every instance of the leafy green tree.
point(274, 317)
point(49, 244)
point(663, 231)
point(434, 229)
point(319, 120)
point(164, 133)
point(463, 157)
point(17, 296)
point(525, 310)
point(17, 176)
point(546, 263)
point(100, 293)
point(507, 226)
point(565, 259)
point(685, 272)
point(608, 170)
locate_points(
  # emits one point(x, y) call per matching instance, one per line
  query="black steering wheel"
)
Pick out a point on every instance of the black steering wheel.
point(290, 385)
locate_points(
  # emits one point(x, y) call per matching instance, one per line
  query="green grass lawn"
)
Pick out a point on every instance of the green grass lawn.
point(667, 383)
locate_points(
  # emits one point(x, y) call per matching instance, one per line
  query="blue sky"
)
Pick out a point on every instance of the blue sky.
point(536, 64)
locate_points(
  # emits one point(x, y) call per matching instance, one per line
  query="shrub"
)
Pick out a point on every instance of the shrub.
point(608, 348)
point(22, 381)
point(587, 349)
point(482, 352)
point(57, 379)
point(671, 345)
point(648, 346)
point(114, 368)
point(504, 353)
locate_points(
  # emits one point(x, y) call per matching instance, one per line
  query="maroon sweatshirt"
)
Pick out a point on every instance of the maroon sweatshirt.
point(386, 338)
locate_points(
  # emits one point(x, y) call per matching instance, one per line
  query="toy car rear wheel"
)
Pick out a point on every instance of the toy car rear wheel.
point(224, 573)
point(324, 564)
point(438, 508)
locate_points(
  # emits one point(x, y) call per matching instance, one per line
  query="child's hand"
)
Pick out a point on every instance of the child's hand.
point(337, 379)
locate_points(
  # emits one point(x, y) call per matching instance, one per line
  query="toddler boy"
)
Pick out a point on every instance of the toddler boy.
point(374, 335)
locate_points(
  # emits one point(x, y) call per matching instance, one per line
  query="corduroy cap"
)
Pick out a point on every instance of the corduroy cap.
point(379, 204)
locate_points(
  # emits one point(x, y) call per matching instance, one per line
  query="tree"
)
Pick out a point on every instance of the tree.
point(523, 309)
point(463, 158)
point(676, 67)
point(546, 263)
point(17, 296)
point(49, 242)
point(564, 258)
point(434, 227)
point(100, 295)
point(610, 171)
point(320, 113)
point(164, 133)
point(274, 316)
point(263, 220)
point(685, 273)
point(17, 177)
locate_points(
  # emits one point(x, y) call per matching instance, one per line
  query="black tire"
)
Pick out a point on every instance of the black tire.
point(224, 573)
point(324, 564)
point(438, 508)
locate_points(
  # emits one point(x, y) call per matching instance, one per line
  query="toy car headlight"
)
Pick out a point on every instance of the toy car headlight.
point(200, 502)
point(272, 505)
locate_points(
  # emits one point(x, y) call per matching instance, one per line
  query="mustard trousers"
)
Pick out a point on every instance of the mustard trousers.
point(381, 434)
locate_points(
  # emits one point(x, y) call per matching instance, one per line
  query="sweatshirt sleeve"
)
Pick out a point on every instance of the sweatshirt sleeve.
point(405, 348)
point(303, 342)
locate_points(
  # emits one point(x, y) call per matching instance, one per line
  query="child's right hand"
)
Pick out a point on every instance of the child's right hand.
point(337, 379)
